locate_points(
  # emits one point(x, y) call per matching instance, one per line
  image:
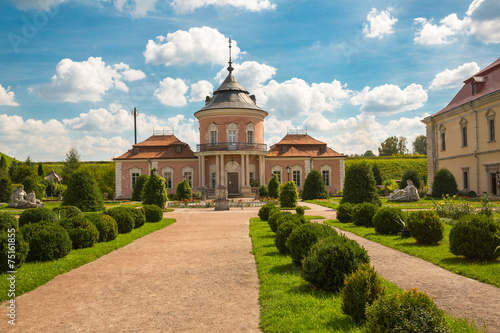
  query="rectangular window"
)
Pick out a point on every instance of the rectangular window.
point(212, 179)
point(213, 138)
point(189, 177)
point(134, 178)
point(296, 177)
point(251, 176)
point(491, 127)
point(168, 179)
point(443, 141)
point(464, 136)
point(278, 174)
point(250, 139)
point(326, 177)
point(231, 139)
point(465, 172)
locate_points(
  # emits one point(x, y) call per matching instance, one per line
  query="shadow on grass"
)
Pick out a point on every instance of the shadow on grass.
point(468, 261)
point(280, 269)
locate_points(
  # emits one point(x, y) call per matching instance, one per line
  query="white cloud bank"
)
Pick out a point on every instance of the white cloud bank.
point(7, 97)
point(172, 92)
point(87, 80)
point(185, 6)
point(452, 78)
point(379, 23)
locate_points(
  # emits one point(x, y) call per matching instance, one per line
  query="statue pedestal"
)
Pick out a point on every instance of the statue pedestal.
point(221, 204)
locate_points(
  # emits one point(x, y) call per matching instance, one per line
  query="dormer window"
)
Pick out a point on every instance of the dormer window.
point(136, 150)
point(474, 88)
point(283, 149)
point(179, 149)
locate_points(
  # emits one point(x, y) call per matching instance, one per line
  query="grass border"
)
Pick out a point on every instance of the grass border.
point(32, 275)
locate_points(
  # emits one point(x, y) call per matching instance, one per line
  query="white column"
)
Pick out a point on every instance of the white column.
point(247, 169)
point(262, 169)
point(199, 171)
point(242, 170)
point(217, 170)
point(222, 175)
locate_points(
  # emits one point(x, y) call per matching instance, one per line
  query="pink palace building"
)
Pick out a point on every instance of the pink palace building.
point(231, 151)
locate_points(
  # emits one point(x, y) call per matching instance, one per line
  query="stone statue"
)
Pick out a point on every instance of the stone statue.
point(409, 193)
point(19, 199)
point(221, 202)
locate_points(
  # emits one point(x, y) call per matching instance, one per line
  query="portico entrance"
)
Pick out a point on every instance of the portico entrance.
point(232, 183)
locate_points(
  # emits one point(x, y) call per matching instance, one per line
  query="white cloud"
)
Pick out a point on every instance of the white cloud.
point(36, 4)
point(184, 6)
point(274, 125)
point(433, 34)
point(172, 92)
point(380, 23)
point(452, 78)
point(7, 97)
point(101, 120)
point(485, 20)
point(87, 80)
point(203, 45)
point(250, 74)
point(136, 8)
point(389, 99)
point(200, 90)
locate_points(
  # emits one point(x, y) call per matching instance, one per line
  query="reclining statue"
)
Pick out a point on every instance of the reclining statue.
point(19, 199)
point(409, 193)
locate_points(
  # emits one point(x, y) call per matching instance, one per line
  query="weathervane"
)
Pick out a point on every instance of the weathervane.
point(135, 113)
point(230, 68)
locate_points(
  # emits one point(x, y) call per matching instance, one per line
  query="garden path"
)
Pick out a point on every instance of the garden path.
point(196, 275)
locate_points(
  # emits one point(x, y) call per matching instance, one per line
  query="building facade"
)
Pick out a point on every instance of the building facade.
point(231, 151)
point(462, 136)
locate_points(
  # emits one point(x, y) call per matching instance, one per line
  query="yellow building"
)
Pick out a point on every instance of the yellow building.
point(462, 137)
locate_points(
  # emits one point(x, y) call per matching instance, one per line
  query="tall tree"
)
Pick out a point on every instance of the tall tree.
point(368, 153)
point(3, 166)
point(359, 185)
point(71, 164)
point(402, 142)
point(420, 145)
point(40, 169)
point(393, 145)
point(14, 170)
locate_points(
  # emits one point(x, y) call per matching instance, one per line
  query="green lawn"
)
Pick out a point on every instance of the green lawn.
point(488, 272)
point(32, 275)
point(290, 304)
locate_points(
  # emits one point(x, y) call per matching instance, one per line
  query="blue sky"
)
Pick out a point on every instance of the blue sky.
point(352, 72)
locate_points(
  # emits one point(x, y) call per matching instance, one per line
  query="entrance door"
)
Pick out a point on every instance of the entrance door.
point(232, 183)
point(493, 177)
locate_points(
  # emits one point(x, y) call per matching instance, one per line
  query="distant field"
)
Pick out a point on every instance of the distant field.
point(393, 167)
point(7, 158)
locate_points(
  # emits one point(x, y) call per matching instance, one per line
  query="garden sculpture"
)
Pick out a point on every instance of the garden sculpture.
point(409, 193)
point(19, 199)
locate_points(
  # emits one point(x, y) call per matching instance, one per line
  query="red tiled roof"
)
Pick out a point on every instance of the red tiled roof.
point(159, 147)
point(491, 84)
point(299, 139)
point(301, 145)
point(159, 140)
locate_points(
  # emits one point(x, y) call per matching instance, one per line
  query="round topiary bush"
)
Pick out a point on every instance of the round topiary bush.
point(273, 218)
point(11, 240)
point(47, 241)
point(304, 236)
point(83, 192)
point(300, 210)
point(387, 221)
point(184, 191)
point(67, 211)
point(361, 289)
point(444, 183)
point(359, 185)
point(82, 232)
point(123, 218)
point(314, 186)
point(473, 236)
point(363, 214)
point(344, 212)
point(154, 192)
point(426, 227)
point(35, 215)
point(138, 215)
point(285, 228)
point(105, 224)
point(330, 260)
point(153, 213)
point(265, 210)
point(138, 186)
point(288, 195)
point(410, 175)
point(8, 221)
point(409, 312)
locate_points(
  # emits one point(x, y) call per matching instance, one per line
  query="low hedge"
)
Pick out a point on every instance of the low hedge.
point(137, 215)
point(47, 241)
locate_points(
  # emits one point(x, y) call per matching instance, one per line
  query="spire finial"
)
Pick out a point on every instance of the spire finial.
point(230, 68)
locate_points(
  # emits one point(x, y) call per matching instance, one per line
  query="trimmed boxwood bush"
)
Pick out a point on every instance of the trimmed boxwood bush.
point(363, 214)
point(314, 186)
point(330, 260)
point(300, 210)
point(153, 213)
point(304, 236)
point(265, 210)
point(344, 212)
point(273, 188)
point(83, 192)
point(35, 215)
point(105, 224)
point(444, 183)
point(386, 221)
point(82, 232)
point(47, 241)
point(138, 215)
point(184, 191)
point(138, 186)
point(288, 195)
point(426, 227)
point(285, 228)
point(67, 211)
point(409, 312)
point(273, 218)
point(359, 185)
point(473, 236)
point(8, 221)
point(8, 241)
point(123, 218)
point(361, 289)
point(154, 192)
point(263, 191)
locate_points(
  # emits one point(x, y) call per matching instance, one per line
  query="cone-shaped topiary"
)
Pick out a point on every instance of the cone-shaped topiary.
point(154, 192)
point(273, 188)
point(376, 175)
point(288, 195)
point(444, 183)
point(184, 191)
point(314, 187)
point(410, 175)
point(359, 185)
point(5, 188)
point(138, 186)
point(83, 192)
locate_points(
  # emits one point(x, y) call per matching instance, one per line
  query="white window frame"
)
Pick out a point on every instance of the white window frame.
point(250, 133)
point(442, 137)
point(134, 171)
point(463, 132)
point(328, 170)
point(168, 171)
point(466, 178)
point(232, 132)
point(278, 170)
point(187, 174)
point(490, 118)
point(213, 127)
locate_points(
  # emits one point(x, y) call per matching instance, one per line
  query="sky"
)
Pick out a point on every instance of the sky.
point(352, 73)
